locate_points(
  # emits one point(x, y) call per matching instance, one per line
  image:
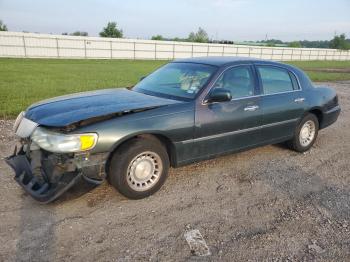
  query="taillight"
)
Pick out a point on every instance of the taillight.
point(332, 103)
point(335, 100)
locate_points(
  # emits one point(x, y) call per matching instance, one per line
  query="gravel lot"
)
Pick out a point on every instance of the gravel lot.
point(264, 204)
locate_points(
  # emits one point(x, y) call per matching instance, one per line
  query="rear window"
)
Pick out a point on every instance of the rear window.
point(275, 80)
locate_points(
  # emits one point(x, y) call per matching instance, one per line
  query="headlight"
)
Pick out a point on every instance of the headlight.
point(61, 143)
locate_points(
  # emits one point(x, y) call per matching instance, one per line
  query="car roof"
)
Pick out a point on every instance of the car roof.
point(222, 60)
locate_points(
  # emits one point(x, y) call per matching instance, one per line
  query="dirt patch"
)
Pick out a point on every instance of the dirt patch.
point(268, 203)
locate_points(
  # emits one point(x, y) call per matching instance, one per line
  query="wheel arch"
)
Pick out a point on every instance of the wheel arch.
point(318, 113)
point(163, 139)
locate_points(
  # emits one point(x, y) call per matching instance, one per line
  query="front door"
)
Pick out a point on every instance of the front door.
point(233, 125)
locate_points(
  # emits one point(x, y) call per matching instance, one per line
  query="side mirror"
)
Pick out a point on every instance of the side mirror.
point(219, 95)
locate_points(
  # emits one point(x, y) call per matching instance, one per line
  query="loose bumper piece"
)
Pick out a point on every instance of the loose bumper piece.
point(41, 191)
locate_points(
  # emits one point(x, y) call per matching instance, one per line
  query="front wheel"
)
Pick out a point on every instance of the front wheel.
point(305, 134)
point(139, 168)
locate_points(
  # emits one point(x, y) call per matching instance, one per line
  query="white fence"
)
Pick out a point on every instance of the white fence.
point(15, 44)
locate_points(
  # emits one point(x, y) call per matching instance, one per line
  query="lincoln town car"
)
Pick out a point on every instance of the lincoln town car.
point(186, 111)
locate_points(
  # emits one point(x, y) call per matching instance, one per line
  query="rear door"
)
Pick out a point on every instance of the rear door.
point(232, 125)
point(282, 102)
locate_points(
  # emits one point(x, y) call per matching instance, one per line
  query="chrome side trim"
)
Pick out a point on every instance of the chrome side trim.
point(239, 131)
point(247, 97)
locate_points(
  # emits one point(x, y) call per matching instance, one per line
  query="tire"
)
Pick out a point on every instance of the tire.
point(302, 140)
point(139, 168)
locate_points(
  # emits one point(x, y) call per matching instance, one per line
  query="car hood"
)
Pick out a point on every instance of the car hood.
point(65, 110)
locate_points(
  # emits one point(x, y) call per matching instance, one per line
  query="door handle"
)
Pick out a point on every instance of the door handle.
point(251, 108)
point(299, 100)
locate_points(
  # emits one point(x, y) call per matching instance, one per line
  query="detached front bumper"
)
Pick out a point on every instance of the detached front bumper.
point(42, 192)
point(54, 176)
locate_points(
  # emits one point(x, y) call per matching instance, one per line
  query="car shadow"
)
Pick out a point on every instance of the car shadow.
point(76, 191)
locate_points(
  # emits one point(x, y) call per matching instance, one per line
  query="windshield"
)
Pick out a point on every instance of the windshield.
point(183, 80)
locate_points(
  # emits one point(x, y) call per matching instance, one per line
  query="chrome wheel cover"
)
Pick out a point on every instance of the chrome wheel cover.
point(144, 171)
point(307, 133)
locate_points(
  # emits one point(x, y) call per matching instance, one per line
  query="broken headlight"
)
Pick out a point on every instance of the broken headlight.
point(62, 143)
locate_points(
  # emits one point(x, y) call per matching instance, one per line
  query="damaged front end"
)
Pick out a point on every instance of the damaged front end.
point(47, 175)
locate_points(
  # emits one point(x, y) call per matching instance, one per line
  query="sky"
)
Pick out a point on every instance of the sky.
point(236, 20)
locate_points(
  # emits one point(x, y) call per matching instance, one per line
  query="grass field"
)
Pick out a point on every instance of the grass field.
point(25, 81)
point(316, 69)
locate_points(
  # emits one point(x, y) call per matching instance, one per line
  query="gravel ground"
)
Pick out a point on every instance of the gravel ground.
point(268, 203)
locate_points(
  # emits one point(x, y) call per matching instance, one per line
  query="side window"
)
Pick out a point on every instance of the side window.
point(275, 80)
point(238, 80)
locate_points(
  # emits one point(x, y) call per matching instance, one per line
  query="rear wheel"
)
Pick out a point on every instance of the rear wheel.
point(139, 168)
point(305, 134)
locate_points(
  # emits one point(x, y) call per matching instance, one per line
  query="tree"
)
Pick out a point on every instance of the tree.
point(315, 44)
point(339, 42)
point(200, 36)
point(157, 37)
point(79, 33)
point(111, 30)
point(3, 27)
point(296, 44)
